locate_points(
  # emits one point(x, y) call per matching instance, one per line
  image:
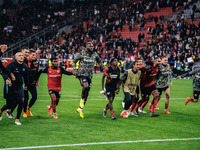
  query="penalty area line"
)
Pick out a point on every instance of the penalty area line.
point(103, 143)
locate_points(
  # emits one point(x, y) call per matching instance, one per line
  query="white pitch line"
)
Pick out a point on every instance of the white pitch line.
point(102, 143)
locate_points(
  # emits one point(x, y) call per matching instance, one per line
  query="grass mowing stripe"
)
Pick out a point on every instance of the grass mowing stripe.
point(103, 143)
point(103, 99)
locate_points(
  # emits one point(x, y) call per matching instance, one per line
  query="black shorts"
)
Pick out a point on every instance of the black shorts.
point(196, 94)
point(147, 90)
point(162, 89)
point(128, 97)
point(58, 94)
point(110, 92)
point(84, 79)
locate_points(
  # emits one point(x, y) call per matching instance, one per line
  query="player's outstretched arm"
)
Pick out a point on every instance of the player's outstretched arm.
point(41, 71)
point(188, 74)
point(124, 77)
point(65, 72)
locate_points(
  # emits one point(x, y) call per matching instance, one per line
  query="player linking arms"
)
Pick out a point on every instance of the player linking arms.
point(129, 80)
point(148, 87)
point(85, 71)
point(33, 66)
point(112, 85)
point(14, 93)
point(144, 69)
point(54, 84)
point(196, 85)
point(8, 82)
point(162, 82)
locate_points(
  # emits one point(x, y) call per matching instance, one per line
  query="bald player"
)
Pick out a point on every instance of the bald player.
point(14, 92)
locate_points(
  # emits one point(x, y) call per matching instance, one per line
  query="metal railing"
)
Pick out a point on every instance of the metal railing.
point(52, 30)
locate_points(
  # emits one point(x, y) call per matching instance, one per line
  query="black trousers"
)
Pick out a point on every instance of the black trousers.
point(14, 98)
point(128, 99)
point(33, 91)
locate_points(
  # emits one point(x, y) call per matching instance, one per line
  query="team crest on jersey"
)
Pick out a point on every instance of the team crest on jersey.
point(16, 70)
point(49, 71)
point(58, 71)
point(23, 69)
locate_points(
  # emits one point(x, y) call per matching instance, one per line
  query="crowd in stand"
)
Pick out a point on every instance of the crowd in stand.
point(22, 20)
point(180, 40)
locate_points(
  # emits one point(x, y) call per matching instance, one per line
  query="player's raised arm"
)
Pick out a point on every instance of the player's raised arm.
point(3, 49)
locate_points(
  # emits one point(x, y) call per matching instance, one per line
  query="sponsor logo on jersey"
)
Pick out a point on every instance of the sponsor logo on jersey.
point(54, 75)
point(113, 76)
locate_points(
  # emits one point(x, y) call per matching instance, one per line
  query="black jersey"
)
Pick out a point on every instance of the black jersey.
point(33, 67)
point(113, 78)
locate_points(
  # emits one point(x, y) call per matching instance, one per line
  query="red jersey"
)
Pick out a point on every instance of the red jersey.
point(148, 78)
point(54, 77)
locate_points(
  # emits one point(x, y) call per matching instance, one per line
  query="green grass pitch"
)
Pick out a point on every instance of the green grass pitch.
point(42, 130)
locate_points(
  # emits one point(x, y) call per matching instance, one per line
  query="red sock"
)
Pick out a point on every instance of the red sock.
point(133, 106)
point(138, 105)
point(144, 104)
point(166, 106)
point(112, 113)
point(155, 102)
point(107, 107)
point(54, 104)
point(50, 106)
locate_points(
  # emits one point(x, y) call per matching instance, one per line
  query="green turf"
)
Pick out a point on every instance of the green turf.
point(42, 130)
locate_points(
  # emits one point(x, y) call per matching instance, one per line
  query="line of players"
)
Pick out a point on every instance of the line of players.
point(24, 70)
point(147, 75)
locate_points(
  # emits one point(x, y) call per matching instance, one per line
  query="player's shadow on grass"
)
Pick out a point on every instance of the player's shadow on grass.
point(43, 117)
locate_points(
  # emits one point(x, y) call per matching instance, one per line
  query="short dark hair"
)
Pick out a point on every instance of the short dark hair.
point(139, 58)
point(32, 51)
point(164, 57)
point(156, 57)
point(133, 63)
point(149, 63)
point(53, 58)
point(25, 47)
point(112, 59)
